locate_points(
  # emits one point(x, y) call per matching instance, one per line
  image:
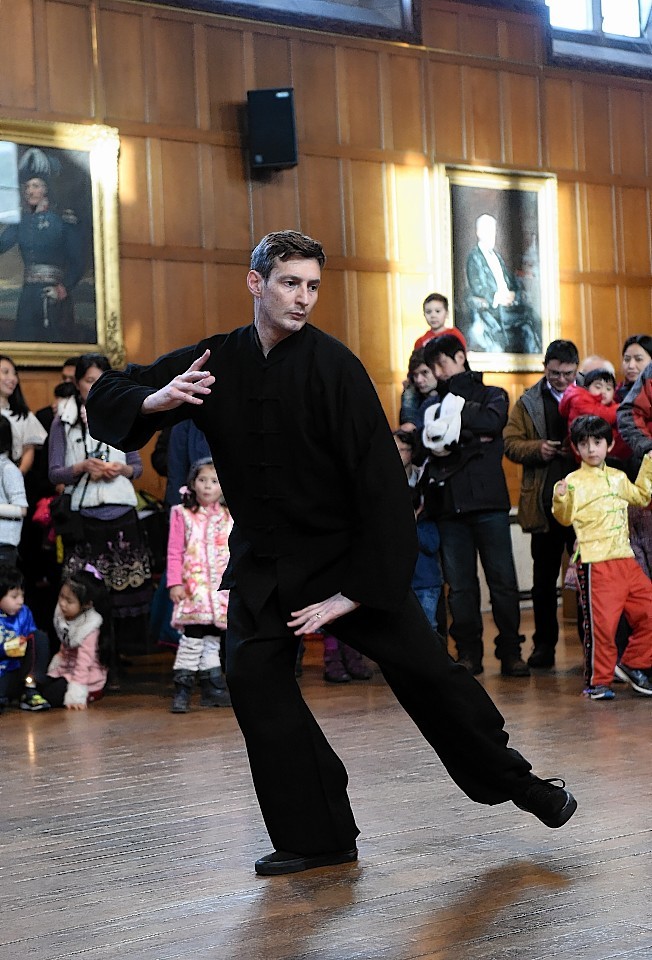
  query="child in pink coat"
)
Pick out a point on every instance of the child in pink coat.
point(82, 620)
point(198, 553)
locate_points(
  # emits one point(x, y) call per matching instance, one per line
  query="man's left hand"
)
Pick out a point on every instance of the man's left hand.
point(317, 615)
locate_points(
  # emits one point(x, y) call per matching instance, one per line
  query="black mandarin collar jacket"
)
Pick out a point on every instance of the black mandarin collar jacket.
point(305, 457)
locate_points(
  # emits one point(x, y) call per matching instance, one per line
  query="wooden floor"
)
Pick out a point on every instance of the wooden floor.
point(131, 832)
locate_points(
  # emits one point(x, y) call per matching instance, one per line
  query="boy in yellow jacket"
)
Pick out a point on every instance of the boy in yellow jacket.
point(594, 500)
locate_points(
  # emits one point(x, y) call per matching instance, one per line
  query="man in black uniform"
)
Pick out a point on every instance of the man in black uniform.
point(324, 535)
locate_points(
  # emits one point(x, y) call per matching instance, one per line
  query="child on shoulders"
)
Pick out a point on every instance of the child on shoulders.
point(77, 674)
point(596, 398)
point(435, 310)
point(594, 500)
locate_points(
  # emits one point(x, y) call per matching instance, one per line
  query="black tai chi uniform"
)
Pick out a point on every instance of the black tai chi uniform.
point(318, 494)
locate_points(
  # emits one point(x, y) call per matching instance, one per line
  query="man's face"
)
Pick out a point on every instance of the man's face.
point(68, 374)
point(446, 367)
point(286, 299)
point(486, 231)
point(424, 379)
point(435, 313)
point(602, 389)
point(560, 374)
point(35, 191)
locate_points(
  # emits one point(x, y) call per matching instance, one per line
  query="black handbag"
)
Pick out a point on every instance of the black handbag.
point(69, 523)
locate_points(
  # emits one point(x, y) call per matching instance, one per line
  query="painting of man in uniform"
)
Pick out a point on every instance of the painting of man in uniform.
point(496, 268)
point(47, 285)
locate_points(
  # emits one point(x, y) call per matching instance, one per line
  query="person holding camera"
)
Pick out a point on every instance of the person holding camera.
point(103, 525)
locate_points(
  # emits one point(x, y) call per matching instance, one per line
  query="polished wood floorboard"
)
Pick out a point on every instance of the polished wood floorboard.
point(129, 832)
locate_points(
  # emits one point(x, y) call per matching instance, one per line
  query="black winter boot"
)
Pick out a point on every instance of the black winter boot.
point(184, 681)
point(214, 691)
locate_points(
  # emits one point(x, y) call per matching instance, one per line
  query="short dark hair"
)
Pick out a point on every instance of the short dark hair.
point(6, 440)
point(417, 358)
point(70, 362)
point(88, 360)
point(599, 374)
point(640, 339)
point(284, 245)
point(563, 350)
point(10, 579)
point(408, 437)
point(448, 345)
point(590, 427)
point(65, 389)
point(436, 296)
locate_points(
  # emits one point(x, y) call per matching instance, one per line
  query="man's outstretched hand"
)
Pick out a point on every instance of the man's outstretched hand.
point(317, 615)
point(188, 387)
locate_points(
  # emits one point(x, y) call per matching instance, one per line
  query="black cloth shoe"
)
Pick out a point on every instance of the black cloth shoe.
point(281, 861)
point(542, 658)
point(548, 800)
point(637, 679)
point(514, 666)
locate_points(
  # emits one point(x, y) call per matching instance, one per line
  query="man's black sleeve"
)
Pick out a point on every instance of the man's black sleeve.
point(114, 403)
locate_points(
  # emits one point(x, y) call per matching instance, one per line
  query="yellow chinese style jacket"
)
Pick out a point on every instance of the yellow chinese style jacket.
point(596, 505)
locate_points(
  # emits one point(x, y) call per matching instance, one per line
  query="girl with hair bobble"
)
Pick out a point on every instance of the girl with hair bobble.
point(198, 553)
point(82, 619)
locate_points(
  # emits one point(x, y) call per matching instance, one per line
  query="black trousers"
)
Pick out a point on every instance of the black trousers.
point(299, 779)
point(547, 550)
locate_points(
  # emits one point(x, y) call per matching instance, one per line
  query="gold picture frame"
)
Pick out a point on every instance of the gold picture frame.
point(59, 255)
point(501, 263)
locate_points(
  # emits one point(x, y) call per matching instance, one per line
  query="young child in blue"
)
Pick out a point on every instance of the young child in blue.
point(24, 650)
point(427, 580)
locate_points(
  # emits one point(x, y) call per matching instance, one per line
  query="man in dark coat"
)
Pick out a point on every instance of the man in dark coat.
point(324, 535)
point(467, 496)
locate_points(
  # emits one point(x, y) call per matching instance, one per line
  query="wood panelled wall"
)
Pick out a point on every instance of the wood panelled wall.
point(373, 118)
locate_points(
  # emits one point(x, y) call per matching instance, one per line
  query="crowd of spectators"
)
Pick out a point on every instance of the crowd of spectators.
point(453, 433)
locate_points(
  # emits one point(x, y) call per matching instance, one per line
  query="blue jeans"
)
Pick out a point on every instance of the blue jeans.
point(428, 597)
point(485, 534)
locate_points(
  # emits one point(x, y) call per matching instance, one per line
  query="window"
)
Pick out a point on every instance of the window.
point(620, 18)
point(607, 32)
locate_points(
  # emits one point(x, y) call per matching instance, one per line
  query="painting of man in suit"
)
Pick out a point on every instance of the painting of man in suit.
point(496, 269)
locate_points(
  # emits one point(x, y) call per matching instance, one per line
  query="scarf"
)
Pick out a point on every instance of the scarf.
point(72, 633)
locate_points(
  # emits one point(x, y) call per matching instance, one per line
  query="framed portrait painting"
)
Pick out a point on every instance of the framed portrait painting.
point(382, 19)
point(59, 271)
point(503, 264)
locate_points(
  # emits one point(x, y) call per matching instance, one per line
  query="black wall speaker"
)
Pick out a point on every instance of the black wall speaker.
point(272, 133)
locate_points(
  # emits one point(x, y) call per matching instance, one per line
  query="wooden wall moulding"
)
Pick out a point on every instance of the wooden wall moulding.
point(59, 264)
point(501, 260)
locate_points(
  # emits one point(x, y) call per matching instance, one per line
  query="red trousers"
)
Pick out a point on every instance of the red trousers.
point(608, 589)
